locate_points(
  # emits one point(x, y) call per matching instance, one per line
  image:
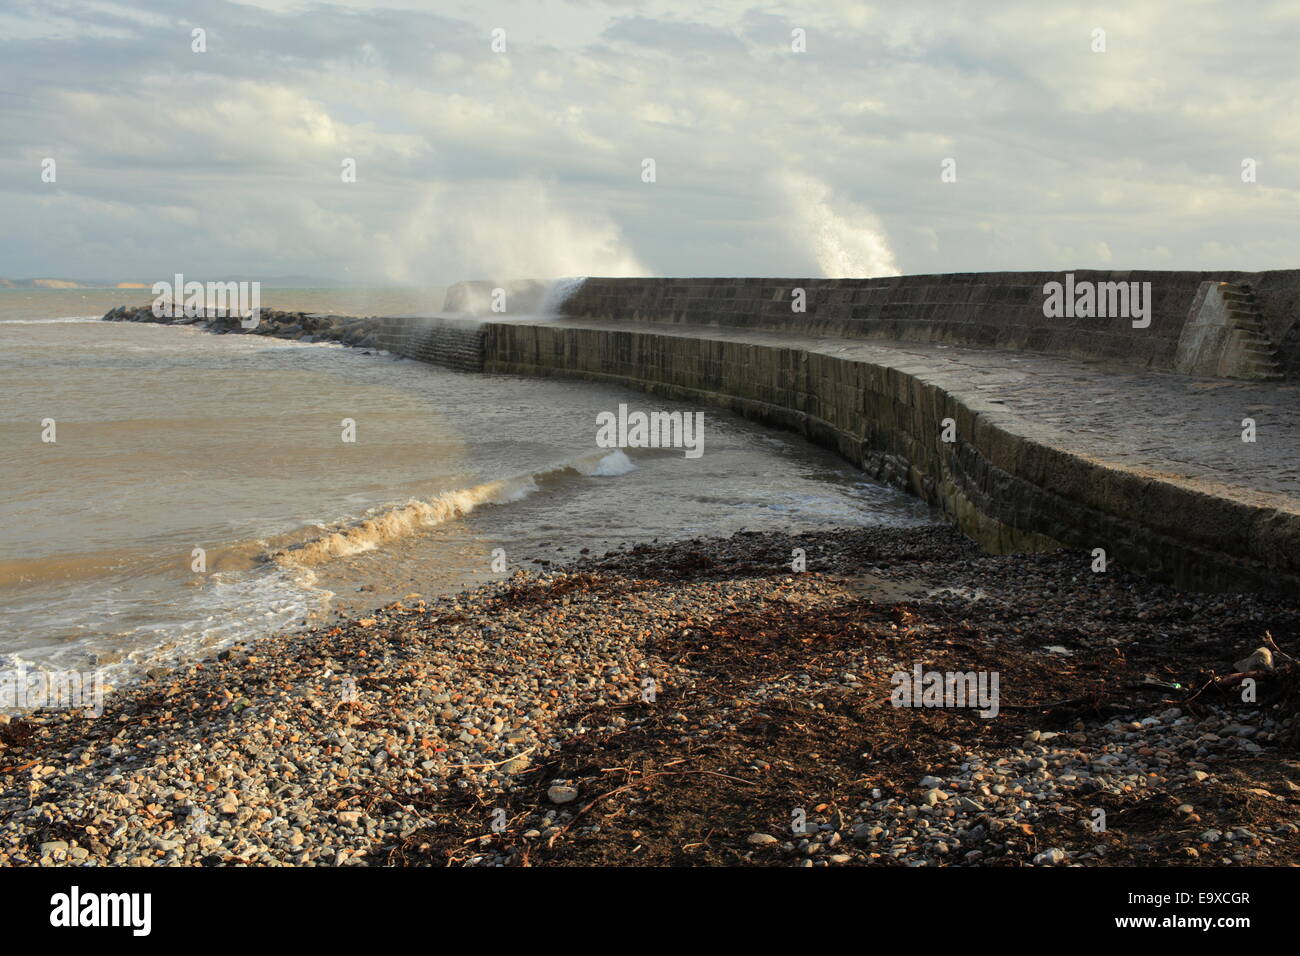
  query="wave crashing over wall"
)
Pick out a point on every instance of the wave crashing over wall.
point(488, 298)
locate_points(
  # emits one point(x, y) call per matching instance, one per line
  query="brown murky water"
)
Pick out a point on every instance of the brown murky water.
point(169, 439)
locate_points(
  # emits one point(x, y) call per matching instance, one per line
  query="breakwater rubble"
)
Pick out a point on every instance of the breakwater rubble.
point(298, 326)
point(699, 703)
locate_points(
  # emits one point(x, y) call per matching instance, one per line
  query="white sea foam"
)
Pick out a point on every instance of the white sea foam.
point(227, 610)
point(615, 463)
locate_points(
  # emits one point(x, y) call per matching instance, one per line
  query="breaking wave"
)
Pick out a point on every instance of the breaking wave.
point(399, 521)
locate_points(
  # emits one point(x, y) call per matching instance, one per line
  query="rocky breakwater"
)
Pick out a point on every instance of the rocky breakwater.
point(299, 326)
point(449, 341)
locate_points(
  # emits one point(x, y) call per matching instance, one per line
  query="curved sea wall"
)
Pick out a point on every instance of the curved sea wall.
point(1003, 486)
point(450, 342)
point(1008, 485)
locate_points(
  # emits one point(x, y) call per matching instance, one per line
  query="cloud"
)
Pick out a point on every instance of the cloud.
point(769, 161)
point(671, 37)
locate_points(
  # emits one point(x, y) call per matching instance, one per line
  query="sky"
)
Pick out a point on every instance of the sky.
point(510, 140)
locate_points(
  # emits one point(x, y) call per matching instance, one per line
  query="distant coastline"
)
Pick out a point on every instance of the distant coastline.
point(275, 282)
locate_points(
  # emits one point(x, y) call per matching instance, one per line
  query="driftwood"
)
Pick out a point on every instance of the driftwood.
point(1226, 681)
point(1277, 651)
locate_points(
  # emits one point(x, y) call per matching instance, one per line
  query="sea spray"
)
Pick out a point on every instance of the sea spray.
point(487, 298)
point(560, 292)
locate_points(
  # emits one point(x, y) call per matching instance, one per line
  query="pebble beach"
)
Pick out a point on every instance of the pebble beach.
point(697, 703)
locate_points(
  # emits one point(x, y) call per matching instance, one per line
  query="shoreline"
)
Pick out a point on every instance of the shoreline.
point(394, 737)
point(1027, 471)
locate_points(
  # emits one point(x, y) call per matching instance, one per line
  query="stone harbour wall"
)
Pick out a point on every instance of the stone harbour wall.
point(1004, 488)
point(1008, 488)
point(983, 309)
point(447, 342)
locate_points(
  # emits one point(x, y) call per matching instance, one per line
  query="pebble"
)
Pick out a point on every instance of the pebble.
point(446, 693)
point(561, 793)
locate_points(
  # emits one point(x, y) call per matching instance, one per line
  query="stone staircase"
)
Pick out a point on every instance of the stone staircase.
point(448, 341)
point(1258, 357)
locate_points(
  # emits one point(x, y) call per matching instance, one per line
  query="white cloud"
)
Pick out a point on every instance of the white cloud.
point(769, 162)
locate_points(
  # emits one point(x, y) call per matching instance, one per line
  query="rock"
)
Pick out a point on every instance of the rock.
point(1050, 857)
point(349, 817)
point(934, 796)
point(865, 832)
point(1261, 660)
point(762, 839)
point(562, 793)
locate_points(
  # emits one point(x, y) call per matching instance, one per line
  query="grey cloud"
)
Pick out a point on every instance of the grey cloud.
point(672, 37)
point(229, 160)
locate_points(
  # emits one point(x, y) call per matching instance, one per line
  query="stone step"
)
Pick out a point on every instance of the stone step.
point(1259, 358)
point(1252, 331)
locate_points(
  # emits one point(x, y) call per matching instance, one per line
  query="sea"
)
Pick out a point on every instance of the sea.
point(168, 492)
